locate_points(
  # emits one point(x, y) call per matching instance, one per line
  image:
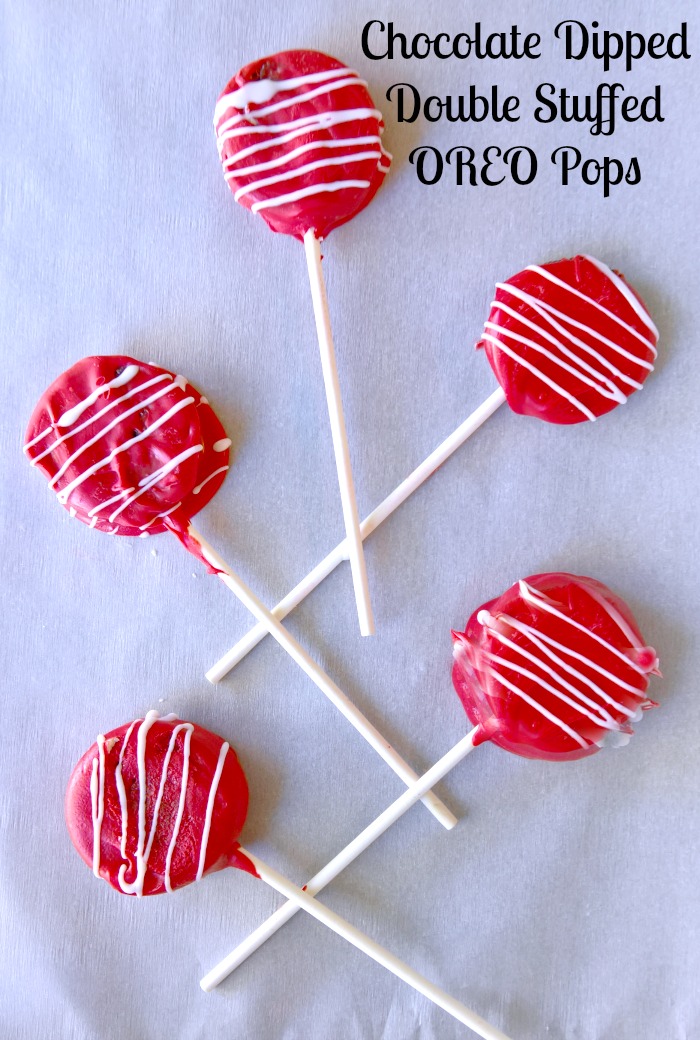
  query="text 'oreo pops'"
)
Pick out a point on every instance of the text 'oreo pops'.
point(299, 140)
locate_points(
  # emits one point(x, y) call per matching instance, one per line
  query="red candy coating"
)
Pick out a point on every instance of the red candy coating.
point(123, 443)
point(554, 668)
point(306, 155)
point(169, 855)
point(568, 341)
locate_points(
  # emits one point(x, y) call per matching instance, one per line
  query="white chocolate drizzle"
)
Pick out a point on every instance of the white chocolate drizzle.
point(198, 488)
point(257, 92)
point(145, 836)
point(565, 350)
point(97, 795)
point(243, 121)
point(555, 667)
point(98, 415)
point(103, 421)
point(210, 808)
point(74, 413)
point(65, 493)
point(156, 477)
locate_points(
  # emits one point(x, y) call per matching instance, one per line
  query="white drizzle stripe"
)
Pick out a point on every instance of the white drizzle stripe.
point(144, 842)
point(210, 808)
point(306, 124)
point(297, 99)
point(159, 516)
point(604, 720)
point(156, 477)
point(305, 130)
point(300, 171)
point(97, 796)
point(188, 729)
point(611, 392)
point(539, 639)
point(284, 160)
point(316, 189)
point(180, 807)
point(247, 93)
point(634, 690)
point(144, 847)
point(121, 790)
point(110, 501)
point(531, 595)
point(35, 440)
point(106, 429)
point(541, 709)
point(98, 415)
point(223, 445)
point(615, 616)
point(73, 414)
point(625, 290)
point(221, 469)
point(136, 886)
point(545, 310)
point(64, 494)
point(590, 351)
point(540, 375)
point(594, 303)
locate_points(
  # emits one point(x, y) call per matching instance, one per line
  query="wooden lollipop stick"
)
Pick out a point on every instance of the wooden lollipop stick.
point(358, 845)
point(374, 950)
point(318, 676)
point(370, 524)
point(339, 434)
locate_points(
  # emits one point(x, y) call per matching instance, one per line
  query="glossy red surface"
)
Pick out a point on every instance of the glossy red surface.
point(316, 136)
point(548, 686)
point(105, 437)
point(572, 338)
point(229, 812)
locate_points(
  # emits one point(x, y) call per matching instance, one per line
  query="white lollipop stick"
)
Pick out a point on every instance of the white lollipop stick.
point(319, 677)
point(339, 434)
point(358, 845)
point(374, 950)
point(370, 524)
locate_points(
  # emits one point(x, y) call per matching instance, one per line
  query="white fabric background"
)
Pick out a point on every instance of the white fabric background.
point(565, 903)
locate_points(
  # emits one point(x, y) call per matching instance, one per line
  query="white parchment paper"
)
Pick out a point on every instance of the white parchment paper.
point(564, 905)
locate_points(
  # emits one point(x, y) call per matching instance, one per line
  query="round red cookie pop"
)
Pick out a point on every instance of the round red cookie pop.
point(554, 668)
point(568, 341)
point(300, 143)
point(132, 449)
point(125, 445)
point(158, 803)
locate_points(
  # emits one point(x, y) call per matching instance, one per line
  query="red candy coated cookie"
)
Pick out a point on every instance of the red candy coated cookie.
point(157, 804)
point(568, 341)
point(125, 444)
point(554, 668)
point(300, 141)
